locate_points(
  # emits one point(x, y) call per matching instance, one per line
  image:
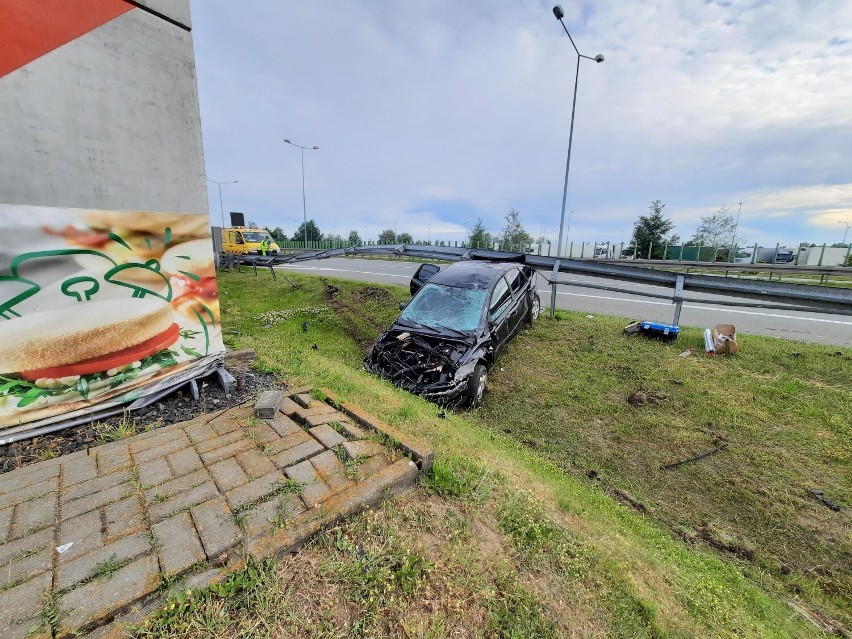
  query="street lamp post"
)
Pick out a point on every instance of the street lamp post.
point(559, 14)
point(736, 224)
point(221, 209)
point(304, 208)
point(846, 232)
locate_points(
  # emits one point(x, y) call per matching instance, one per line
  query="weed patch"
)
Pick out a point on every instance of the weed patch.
point(105, 433)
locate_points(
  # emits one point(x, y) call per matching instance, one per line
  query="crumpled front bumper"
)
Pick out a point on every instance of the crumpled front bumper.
point(444, 392)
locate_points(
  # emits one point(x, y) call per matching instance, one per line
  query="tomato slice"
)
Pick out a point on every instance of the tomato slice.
point(112, 360)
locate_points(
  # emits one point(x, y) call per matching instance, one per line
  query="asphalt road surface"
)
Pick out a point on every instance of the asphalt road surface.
point(806, 327)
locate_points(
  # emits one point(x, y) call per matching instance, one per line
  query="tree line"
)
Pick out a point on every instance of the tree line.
point(512, 234)
point(651, 234)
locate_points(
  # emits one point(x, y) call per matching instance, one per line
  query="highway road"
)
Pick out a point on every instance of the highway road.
point(806, 327)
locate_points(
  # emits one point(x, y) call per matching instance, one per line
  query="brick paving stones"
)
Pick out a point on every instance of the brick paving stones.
point(21, 606)
point(95, 601)
point(102, 528)
point(216, 527)
point(72, 572)
point(228, 474)
point(177, 543)
point(267, 404)
point(327, 436)
point(5, 522)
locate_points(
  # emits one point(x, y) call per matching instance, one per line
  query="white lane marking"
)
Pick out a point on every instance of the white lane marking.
point(702, 308)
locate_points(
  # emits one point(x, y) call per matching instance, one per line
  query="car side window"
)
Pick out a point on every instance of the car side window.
point(500, 299)
point(516, 281)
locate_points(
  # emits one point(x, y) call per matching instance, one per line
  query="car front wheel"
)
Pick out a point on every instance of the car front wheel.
point(476, 386)
point(535, 309)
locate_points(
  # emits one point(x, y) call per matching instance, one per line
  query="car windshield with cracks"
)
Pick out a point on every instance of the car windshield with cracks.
point(446, 307)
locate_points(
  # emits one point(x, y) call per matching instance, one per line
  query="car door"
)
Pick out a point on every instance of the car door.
point(520, 300)
point(499, 308)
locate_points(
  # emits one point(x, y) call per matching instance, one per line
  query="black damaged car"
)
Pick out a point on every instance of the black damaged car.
point(451, 333)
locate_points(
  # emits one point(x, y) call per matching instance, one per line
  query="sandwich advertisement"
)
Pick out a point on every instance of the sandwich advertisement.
point(98, 308)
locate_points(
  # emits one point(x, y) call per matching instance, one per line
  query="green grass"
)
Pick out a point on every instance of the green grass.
point(556, 411)
point(782, 409)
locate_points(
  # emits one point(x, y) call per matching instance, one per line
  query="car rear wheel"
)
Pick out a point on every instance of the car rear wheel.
point(535, 309)
point(476, 386)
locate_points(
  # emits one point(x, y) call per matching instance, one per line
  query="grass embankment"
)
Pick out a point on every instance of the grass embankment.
point(509, 537)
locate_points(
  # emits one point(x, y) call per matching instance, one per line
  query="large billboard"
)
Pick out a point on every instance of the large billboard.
point(98, 307)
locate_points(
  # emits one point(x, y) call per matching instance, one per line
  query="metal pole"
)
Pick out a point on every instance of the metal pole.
point(737, 223)
point(677, 299)
point(567, 168)
point(221, 210)
point(554, 277)
point(304, 208)
point(559, 14)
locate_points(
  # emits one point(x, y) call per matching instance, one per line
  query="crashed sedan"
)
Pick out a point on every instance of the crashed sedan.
point(451, 333)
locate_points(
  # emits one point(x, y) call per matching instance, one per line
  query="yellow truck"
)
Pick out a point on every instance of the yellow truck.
point(240, 240)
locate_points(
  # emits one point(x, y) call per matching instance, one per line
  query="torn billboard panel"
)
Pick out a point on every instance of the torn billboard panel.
point(98, 307)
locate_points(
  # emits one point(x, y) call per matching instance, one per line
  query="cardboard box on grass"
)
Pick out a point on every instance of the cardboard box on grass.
point(725, 339)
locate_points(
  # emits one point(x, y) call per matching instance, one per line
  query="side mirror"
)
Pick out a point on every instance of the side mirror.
point(421, 276)
point(402, 305)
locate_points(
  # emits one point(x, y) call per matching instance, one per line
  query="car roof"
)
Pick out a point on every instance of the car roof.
point(471, 274)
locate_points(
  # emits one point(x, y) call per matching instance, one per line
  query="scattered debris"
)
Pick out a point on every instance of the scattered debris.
point(314, 347)
point(694, 458)
point(725, 339)
point(686, 353)
point(821, 497)
point(677, 382)
point(817, 617)
point(442, 414)
point(305, 326)
point(288, 280)
point(709, 344)
point(64, 548)
point(267, 405)
point(640, 398)
point(716, 435)
point(637, 398)
point(664, 332)
point(625, 497)
point(590, 317)
point(706, 534)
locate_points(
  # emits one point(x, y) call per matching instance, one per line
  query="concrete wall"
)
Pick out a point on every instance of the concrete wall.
point(109, 120)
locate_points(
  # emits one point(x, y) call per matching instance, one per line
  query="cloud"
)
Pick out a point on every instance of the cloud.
point(429, 113)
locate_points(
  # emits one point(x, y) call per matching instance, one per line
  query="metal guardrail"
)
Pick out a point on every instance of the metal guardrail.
point(770, 295)
point(781, 269)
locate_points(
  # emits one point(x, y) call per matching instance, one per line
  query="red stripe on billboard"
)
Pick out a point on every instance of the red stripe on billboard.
point(31, 28)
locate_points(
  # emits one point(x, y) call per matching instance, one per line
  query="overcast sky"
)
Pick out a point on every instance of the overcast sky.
point(431, 114)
